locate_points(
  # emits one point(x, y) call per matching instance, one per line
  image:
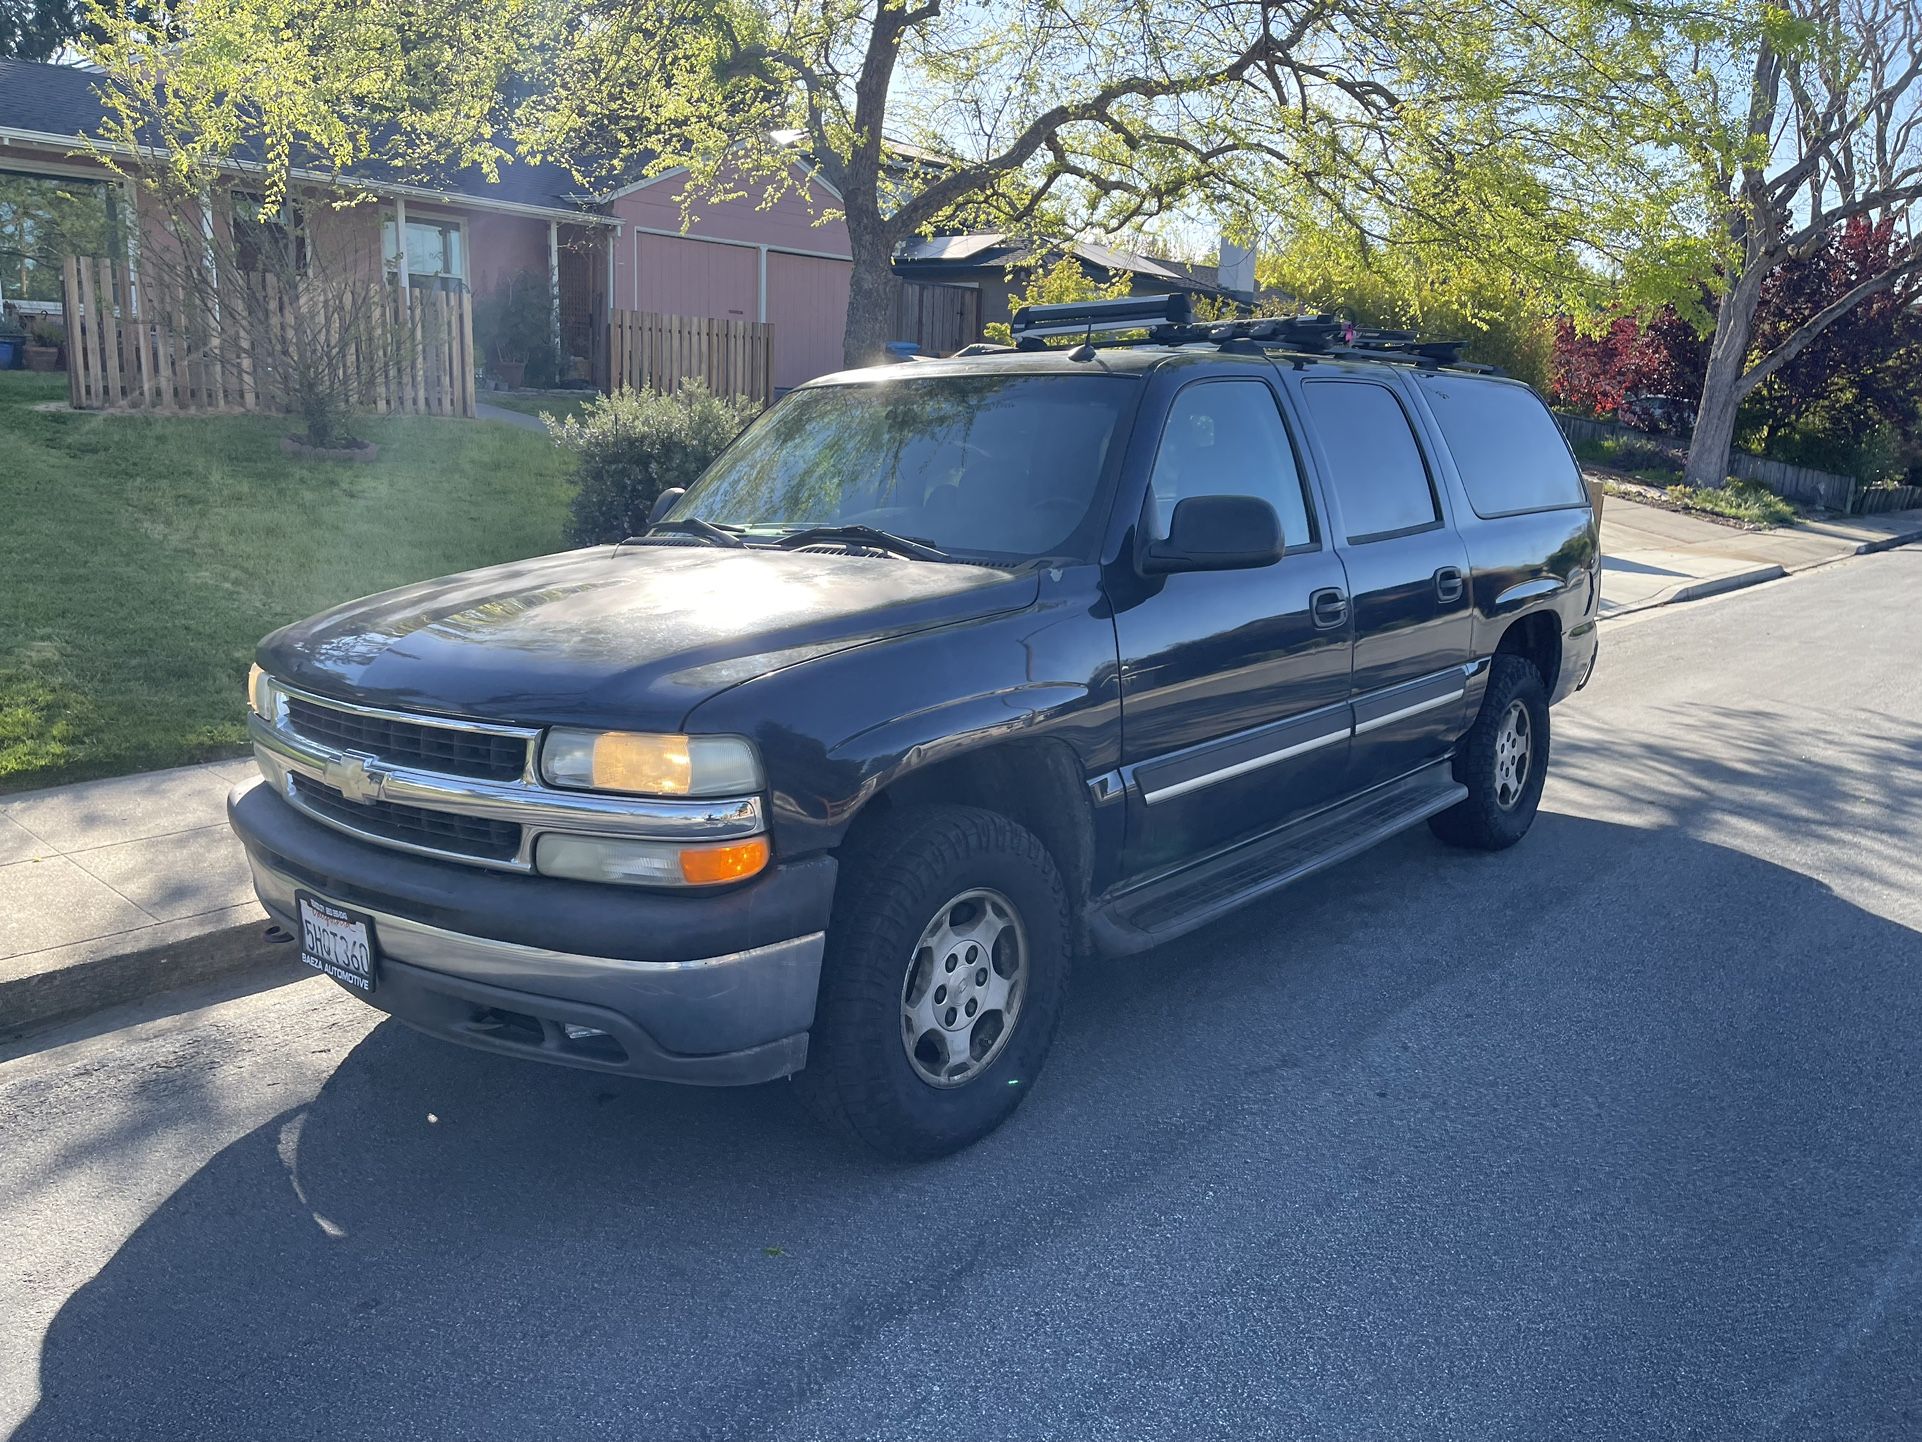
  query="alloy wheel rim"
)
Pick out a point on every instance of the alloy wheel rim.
point(965, 982)
point(1513, 743)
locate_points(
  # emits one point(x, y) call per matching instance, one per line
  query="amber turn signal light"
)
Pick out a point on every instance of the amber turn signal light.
point(711, 865)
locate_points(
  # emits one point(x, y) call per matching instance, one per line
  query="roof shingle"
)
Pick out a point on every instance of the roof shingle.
point(62, 101)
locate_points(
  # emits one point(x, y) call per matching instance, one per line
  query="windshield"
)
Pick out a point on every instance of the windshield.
point(993, 467)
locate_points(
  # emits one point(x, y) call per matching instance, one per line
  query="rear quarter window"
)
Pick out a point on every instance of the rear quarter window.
point(1507, 448)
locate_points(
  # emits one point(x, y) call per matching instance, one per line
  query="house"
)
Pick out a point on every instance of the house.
point(630, 248)
point(783, 265)
point(1000, 266)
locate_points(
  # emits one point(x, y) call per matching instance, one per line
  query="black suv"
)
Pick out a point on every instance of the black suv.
point(944, 673)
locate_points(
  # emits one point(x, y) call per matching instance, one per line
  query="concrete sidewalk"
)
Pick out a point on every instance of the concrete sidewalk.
point(113, 890)
point(489, 412)
point(1652, 557)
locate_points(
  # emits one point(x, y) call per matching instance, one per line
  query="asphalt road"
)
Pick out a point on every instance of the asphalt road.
point(1618, 1134)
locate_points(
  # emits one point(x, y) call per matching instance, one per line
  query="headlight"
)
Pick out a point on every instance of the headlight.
point(263, 697)
point(649, 764)
point(649, 863)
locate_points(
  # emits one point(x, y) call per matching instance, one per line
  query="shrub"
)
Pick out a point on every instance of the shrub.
point(633, 445)
point(1739, 500)
point(514, 325)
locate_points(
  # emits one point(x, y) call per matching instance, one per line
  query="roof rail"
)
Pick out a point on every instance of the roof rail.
point(1169, 320)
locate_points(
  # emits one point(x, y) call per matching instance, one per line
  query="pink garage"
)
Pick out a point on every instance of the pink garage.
point(783, 265)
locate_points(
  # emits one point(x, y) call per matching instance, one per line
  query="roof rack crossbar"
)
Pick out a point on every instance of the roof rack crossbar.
point(1169, 320)
point(1090, 318)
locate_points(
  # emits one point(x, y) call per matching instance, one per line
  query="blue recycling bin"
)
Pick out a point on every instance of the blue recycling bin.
point(13, 352)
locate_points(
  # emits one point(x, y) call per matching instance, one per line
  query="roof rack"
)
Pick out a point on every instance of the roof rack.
point(1169, 320)
point(1090, 318)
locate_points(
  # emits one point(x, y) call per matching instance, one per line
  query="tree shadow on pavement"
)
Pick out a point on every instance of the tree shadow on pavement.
point(1619, 1133)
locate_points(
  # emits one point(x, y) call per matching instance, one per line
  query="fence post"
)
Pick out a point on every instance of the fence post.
point(133, 331)
point(110, 332)
point(164, 357)
point(468, 406)
point(418, 323)
point(70, 317)
point(97, 356)
point(450, 365)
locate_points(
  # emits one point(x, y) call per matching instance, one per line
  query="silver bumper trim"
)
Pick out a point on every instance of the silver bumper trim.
point(535, 808)
point(483, 959)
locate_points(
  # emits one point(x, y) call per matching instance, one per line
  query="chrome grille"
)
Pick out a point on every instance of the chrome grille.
point(480, 837)
point(417, 744)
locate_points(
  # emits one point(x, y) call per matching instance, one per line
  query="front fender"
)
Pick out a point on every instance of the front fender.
point(890, 750)
point(836, 730)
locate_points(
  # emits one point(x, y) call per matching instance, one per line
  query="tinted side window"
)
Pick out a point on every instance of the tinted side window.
point(1374, 462)
point(1506, 445)
point(1226, 438)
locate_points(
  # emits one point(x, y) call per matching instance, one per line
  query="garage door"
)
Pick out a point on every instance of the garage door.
point(679, 276)
point(807, 303)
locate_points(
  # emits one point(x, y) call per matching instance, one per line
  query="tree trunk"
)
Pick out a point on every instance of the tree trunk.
point(1714, 433)
point(871, 288)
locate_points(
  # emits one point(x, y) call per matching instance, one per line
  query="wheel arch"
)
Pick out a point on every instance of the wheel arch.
point(1536, 638)
point(1035, 781)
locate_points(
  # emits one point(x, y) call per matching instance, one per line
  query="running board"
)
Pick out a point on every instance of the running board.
point(1170, 906)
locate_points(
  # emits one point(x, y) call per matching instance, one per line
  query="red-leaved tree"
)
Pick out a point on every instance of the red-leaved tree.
point(1862, 372)
point(1860, 376)
point(1595, 374)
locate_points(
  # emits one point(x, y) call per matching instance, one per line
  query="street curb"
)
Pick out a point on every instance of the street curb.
point(1716, 585)
point(71, 981)
point(1889, 543)
point(1701, 590)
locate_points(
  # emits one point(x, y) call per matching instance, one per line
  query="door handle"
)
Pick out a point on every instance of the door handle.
point(1329, 607)
point(1448, 583)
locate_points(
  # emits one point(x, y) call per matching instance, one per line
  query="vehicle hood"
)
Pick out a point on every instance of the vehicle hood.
point(621, 637)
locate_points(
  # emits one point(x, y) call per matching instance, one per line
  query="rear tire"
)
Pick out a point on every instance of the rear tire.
point(1503, 761)
point(945, 919)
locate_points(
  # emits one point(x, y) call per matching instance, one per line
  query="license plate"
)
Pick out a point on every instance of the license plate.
point(340, 943)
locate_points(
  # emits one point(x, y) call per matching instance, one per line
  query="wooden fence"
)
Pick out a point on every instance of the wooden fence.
point(140, 347)
point(1795, 483)
point(938, 318)
point(661, 352)
point(1874, 501)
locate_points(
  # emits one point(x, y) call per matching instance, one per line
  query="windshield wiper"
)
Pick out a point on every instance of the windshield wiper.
point(706, 530)
point(866, 536)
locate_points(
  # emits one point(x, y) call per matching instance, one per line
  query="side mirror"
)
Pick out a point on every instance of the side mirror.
point(663, 503)
point(1218, 533)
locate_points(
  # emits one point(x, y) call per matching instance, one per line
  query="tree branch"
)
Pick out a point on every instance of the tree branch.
point(1097, 107)
point(1813, 327)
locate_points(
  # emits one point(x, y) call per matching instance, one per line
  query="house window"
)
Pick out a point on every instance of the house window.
point(43, 220)
point(434, 250)
point(269, 242)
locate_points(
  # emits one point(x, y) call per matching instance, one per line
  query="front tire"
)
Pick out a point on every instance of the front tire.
point(946, 967)
point(1503, 761)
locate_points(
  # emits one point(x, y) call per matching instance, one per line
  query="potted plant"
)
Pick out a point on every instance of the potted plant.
point(46, 348)
point(514, 329)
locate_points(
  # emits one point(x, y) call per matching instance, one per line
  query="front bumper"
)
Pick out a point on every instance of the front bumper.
point(714, 989)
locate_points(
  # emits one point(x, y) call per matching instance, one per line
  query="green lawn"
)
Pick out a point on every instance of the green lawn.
point(141, 558)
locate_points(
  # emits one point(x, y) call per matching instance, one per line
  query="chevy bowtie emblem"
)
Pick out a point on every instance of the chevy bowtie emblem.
point(354, 778)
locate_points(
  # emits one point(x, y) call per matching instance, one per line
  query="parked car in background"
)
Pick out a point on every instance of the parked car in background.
point(1658, 415)
point(943, 675)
